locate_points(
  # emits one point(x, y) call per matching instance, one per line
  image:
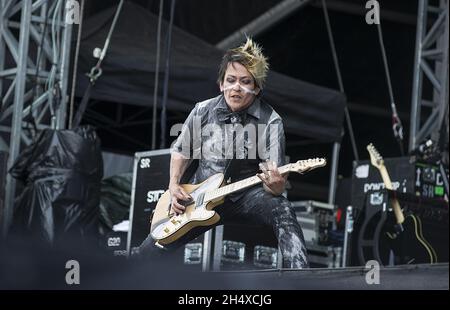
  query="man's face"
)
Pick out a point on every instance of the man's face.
point(238, 86)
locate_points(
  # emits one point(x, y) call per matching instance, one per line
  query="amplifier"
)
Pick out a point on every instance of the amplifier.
point(150, 181)
point(433, 213)
point(407, 175)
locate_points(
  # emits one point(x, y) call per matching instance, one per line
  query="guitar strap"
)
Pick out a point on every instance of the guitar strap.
point(228, 172)
point(230, 166)
point(235, 168)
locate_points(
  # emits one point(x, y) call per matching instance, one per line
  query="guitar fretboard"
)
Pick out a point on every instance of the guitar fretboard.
point(395, 204)
point(234, 187)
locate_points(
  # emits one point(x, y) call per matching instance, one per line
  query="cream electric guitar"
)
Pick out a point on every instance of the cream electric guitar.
point(167, 228)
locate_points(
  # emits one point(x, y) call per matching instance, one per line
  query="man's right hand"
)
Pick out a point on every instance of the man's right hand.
point(177, 193)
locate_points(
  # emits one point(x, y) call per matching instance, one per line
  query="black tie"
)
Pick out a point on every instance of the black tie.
point(226, 116)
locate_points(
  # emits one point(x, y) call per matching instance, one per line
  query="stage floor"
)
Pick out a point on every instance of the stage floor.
point(406, 277)
point(27, 268)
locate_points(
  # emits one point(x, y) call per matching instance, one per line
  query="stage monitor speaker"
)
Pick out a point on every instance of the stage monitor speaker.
point(150, 181)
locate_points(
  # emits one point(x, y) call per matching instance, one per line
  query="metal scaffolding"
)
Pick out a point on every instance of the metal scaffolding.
point(263, 22)
point(34, 66)
point(431, 62)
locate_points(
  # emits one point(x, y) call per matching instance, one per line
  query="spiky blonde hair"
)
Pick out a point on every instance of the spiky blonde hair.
point(251, 57)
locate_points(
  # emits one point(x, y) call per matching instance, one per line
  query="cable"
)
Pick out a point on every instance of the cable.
point(38, 61)
point(166, 78)
point(396, 122)
point(155, 90)
point(50, 84)
point(339, 77)
point(96, 71)
point(75, 65)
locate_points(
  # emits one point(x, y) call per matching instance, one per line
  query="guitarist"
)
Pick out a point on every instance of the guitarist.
point(235, 133)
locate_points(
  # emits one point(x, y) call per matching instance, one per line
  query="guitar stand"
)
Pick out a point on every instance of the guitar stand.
point(347, 235)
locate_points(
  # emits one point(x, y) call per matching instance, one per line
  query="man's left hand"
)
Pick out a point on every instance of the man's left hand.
point(274, 182)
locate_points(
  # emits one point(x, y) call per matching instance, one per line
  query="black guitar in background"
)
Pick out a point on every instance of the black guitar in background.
point(398, 237)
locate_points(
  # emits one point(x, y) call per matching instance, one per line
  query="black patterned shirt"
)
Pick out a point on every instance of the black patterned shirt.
point(229, 142)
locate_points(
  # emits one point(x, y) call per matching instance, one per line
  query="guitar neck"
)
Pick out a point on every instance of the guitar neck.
point(237, 186)
point(395, 204)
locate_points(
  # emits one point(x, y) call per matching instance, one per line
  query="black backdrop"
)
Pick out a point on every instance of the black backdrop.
point(128, 74)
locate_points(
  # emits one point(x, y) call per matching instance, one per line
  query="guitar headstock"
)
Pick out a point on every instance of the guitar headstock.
point(308, 164)
point(375, 158)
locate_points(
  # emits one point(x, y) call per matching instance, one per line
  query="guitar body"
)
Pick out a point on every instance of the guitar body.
point(409, 246)
point(167, 228)
point(379, 239)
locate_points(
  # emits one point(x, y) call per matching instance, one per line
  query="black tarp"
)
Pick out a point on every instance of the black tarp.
point(62, 171)
point(115, 199)
point(128, 74)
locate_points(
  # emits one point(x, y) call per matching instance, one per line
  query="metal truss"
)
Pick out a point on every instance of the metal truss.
point(263, 22)
point(34, 66)
point(431, 63)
